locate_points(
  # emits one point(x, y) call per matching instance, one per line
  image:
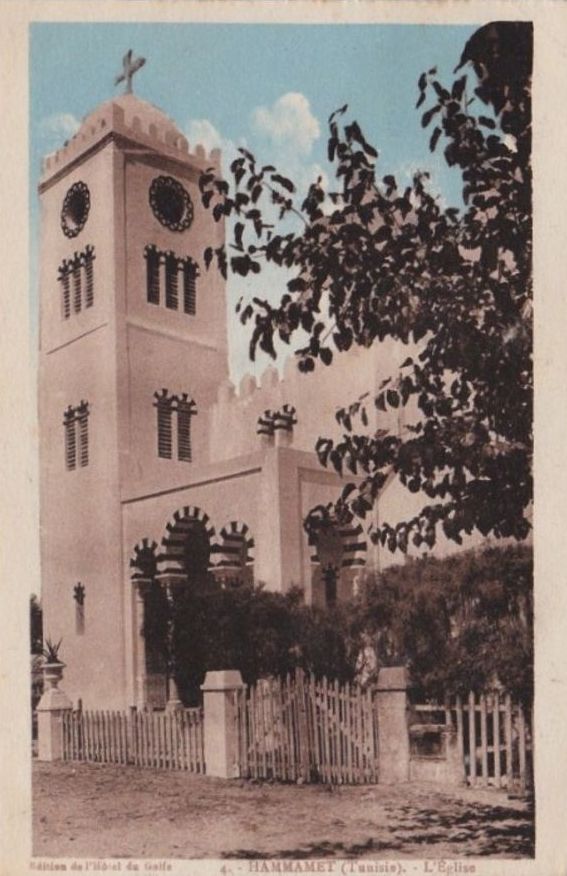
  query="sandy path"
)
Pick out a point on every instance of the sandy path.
point(86, 810)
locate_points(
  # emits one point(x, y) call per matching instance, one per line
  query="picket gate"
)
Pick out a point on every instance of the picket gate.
point(166, 740)
point(307, 730)
point(494, 736)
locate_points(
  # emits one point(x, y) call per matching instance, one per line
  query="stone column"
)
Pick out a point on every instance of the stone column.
point(393, 735)
point(141, 585)
point(50, 710)
point(220, 690)
point(170, 579)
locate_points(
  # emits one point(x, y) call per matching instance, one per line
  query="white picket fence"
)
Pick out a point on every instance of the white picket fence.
point(152, 739)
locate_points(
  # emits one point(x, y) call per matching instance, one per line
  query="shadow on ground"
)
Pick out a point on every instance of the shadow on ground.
point(472, 829)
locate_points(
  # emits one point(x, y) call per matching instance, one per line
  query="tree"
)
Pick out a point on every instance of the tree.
point(207, 626)
point(461, 623)
point(372, 261)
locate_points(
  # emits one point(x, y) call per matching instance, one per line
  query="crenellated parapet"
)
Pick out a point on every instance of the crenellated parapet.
point(295, 409)
point(136, 120)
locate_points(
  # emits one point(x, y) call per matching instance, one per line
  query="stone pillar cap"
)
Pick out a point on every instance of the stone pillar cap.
point(393, 678)
point(54, 700)
point(223, 679)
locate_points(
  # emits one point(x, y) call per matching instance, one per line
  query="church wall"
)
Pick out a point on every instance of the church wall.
point(80, 514)
point(224, 493)
point(315, 396)
point(155, 362)
point(80, 532)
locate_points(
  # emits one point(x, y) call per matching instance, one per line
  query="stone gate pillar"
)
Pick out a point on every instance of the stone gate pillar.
point(50, 710)
point(220, 690)
point(393, 731)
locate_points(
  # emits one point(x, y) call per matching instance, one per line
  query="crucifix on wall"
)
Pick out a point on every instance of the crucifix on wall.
point(79, 597)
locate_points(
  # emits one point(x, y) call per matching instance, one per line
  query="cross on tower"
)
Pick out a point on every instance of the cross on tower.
point(129, 67)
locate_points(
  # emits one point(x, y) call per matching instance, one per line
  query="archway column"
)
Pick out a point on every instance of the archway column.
point(142, 585)
point(171, 579)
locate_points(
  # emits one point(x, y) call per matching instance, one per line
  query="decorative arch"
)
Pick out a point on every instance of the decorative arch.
point(144, 559)
point(235, 546)
point(349, 550)
point(187, 543)
point(354, 546)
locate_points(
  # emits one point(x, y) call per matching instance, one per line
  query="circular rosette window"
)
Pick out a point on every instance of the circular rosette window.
point(171, 203)
point(75, 210)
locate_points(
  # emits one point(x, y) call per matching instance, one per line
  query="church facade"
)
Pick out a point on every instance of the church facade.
point(152, 464)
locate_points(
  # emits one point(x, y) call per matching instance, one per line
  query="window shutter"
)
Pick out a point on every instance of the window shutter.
point(189, 287)
point(185, 410)
point(70, 438)
point(164, 406)
point(77, 292)
point(152, 274)
point(89, 280)
point(83, 424)
point(65, 280)
point(171, 271)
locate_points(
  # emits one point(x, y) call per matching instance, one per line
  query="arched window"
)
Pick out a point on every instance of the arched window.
point(76, 276)
point(76, 426)
point(165, 271)
point(172, 443)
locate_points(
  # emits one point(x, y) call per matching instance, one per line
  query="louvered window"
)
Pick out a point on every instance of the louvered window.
point(164, 405)
point(76, 276)
point(189, 287)
point(77, 285)
point(76, 427)
point(171, 281)
point(184, 414)
point(168, 277)
point(83, 430)
point(70, 438)
point(174, 443)
point(88, 258)
point(65, 280)
point(152, 257)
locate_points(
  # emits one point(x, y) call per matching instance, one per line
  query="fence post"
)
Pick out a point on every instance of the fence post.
point(393, 735)
point(50, 711)
point(221, 740)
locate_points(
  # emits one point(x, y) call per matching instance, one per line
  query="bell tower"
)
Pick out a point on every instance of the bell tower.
point(133, 349)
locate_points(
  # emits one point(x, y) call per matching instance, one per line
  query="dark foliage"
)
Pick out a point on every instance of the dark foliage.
point(453, 285)
point(462, 623)
point(206, 627)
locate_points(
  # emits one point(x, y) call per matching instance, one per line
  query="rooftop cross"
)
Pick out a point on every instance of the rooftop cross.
point(129, 67)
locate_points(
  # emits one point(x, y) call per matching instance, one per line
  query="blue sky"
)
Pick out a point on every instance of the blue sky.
point(271, 87)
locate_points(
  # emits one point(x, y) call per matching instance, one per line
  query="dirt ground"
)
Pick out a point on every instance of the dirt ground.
point(86, 810)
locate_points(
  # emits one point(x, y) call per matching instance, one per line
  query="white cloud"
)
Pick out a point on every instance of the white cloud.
point(202, 132)
point(289, 123)
point(60, 126)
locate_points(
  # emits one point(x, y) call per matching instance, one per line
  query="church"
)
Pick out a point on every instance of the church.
point(152, 463)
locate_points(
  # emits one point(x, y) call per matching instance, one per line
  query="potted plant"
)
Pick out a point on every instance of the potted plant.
point(53, 666)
